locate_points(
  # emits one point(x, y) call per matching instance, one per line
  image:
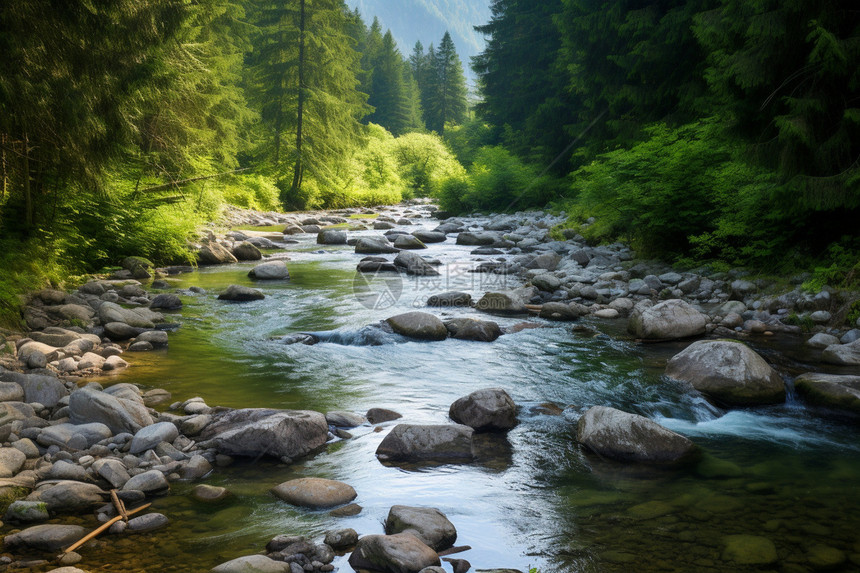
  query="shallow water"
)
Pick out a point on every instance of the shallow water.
point(535, 501)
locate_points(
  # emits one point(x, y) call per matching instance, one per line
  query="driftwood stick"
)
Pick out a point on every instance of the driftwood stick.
point(103, 527)
point(119, 505)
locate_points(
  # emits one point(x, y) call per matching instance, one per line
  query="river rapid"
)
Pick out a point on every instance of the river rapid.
point(534, 498)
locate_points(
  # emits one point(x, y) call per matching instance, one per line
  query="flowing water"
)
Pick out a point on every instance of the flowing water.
point(533, 500)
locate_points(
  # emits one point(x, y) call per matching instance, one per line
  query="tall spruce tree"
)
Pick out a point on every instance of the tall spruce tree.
point(444, 93)
point(304, 79)
point(73, 78)
point(392, 94)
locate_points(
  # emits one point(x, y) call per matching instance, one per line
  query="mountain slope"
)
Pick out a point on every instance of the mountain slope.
point(427, 21)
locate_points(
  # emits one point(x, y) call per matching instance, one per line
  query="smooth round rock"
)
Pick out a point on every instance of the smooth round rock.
point(315, 493)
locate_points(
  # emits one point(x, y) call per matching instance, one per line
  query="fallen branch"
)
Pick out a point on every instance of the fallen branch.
point(103, 527)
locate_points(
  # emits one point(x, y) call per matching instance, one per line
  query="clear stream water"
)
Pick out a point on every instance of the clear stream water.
point(534, 499)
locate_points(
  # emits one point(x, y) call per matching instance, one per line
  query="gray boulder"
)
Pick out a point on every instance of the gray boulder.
point(76, 436)
point(418, 325)
point(561, 312)
point(119, 414)
point(147, 522)
point(150, 436)
point(49, 538)
point(315, 493)
point(506, 303)
point(341, 539)
point(374, 246)
point(46, 390)
point(70, 496)
point(214, 254)
point(628, 437)
point(822, 340)
point(166, 301)
point(11, 461)
point(239, 293)
point(273, 271)
point(245, 251)
point(138, 318)
point(727, 372)
point(340, 419)
point(413, 443)
point(408, 242)
point(21, 511)
point(428, 524)
point(413, 264)
point(113, 471)
point(331, 237)
point(477, 239)
point(401, 553)
point(830, 391)
point(668, 320)
point(258, 432)
point(427, 237)
point(843, 354)
point(490, 409)
point(452, 299)
point(471, 329)
point(253, 564)
point(152, 481)
point(196, 468)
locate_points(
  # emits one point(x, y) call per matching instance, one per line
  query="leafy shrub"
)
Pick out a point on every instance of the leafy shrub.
point(424, 162)
point(252, 191)
point(497, 180)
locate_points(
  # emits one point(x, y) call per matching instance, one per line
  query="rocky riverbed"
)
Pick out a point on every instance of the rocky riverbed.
point(78, 422)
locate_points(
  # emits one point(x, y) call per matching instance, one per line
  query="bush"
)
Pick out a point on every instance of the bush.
point(497, 181)
point(251, 191)
point(424, 162)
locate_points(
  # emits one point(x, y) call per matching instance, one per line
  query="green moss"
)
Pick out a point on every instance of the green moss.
point(9, 494)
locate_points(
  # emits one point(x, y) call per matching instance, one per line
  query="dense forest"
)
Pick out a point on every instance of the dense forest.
point(714, 131)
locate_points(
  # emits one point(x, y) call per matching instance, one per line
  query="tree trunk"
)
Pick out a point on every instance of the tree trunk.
point(4, 189)
point(28, 199)
point(298, 171)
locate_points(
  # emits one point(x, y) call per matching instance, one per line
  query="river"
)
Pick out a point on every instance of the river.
point(533, 500)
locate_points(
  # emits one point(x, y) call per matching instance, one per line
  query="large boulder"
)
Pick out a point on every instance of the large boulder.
point(11, 461)
point(490, 409)
point(471, 329)
point(253, 564)
point(273, 271)
point(74, 436)
point(843, 354)
point(727, 372)
point(451, 443)
point(504, 303)
point(70, 496)
point(315, 493)
point(401, 553)
point(331, 237)
point(409, 242)
point(166, 301)
point(374, 246)
point(239, 293)
point(628, 437)
point(136, 317)
point(119, 414)
point(830, 391)
point(214, 254)
point(413, 264)
point(149, 437)
point(428, 524)
point(48, 538)
point(257, 432)
point(418, 325)
point(430, 236)
point(245, 251)
point(668, 320)
point(29, 350)
point(451, 299)
point(46, 390)
point(150, 482)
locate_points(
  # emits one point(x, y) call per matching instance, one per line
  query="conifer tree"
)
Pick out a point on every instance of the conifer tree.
point(304, 79)
point(444, 94)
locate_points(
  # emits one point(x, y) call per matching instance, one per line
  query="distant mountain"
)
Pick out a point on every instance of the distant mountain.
point(427, 20)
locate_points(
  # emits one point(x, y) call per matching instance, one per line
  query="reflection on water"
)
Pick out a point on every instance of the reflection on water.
point(534, 499)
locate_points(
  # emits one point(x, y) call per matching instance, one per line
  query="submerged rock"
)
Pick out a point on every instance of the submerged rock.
point(471, 329)
point(490, 409)
point(275, 270)
point(629, 437)
point(749, 550)
point(728, 372)
point(668, 320)
point(238, 293)
point(452, 299)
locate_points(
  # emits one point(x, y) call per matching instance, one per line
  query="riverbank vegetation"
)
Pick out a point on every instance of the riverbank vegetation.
point(709, 131)
point(713, 131)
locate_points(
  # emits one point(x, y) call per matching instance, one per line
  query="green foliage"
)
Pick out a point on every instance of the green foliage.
point(853, 314)
point(842, 266)
point(803, 321)
point(250, 191)
point(497, 180)
point(424, 162)
point(465, 140)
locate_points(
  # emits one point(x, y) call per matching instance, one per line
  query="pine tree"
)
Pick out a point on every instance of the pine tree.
point(392, 95)
point(444, 96)
point(304, 79)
